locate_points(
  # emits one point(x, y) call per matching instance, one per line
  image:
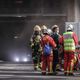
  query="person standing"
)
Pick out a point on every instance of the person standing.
point(70, 41)
point(36, 47)
point(56, 36)
point(47, 57)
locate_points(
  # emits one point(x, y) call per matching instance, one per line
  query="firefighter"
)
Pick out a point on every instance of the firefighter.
point(70, 41)
point(56, 36)
point(47, 58)
point(36, 47)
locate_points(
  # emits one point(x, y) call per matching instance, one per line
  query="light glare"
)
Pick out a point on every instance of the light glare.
point(17, 59)
point(25, 59)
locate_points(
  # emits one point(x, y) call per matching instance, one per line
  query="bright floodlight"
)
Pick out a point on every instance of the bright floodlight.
point(25, 59)
point(17, 59)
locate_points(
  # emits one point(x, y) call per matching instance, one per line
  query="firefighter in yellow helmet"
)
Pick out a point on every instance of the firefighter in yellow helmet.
point(36, 47)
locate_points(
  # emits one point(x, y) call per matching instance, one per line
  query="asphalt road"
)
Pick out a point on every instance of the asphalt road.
point(14, 71)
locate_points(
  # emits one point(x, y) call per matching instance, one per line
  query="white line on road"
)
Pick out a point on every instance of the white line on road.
point(46, 77)
point(40, 77)
point(17, 68)
point(6, 76)
point(20, 72)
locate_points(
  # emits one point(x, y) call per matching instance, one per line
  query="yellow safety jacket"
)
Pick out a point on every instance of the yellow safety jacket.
point(69, 44)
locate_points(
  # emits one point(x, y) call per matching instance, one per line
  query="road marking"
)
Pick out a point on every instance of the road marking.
point(17, 67)
point(47, 76)
point(20, 72)
point(40, 77)
point(6, 64)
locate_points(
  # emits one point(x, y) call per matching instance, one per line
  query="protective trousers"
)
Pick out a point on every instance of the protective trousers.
point(68, 62)
point(35, 60)
point(47, 62)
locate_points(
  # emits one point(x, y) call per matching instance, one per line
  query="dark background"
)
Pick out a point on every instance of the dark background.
point(17, 19)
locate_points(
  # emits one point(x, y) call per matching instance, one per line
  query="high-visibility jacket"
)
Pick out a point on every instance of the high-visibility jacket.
point(69, 44)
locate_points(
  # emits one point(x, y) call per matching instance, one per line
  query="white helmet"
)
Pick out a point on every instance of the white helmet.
point(49, 31)
point(37, 28)
point(43, 27)
point(70, 27)
point(54, 26)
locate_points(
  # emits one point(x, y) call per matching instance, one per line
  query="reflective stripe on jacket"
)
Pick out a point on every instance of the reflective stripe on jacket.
point(69, 44)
